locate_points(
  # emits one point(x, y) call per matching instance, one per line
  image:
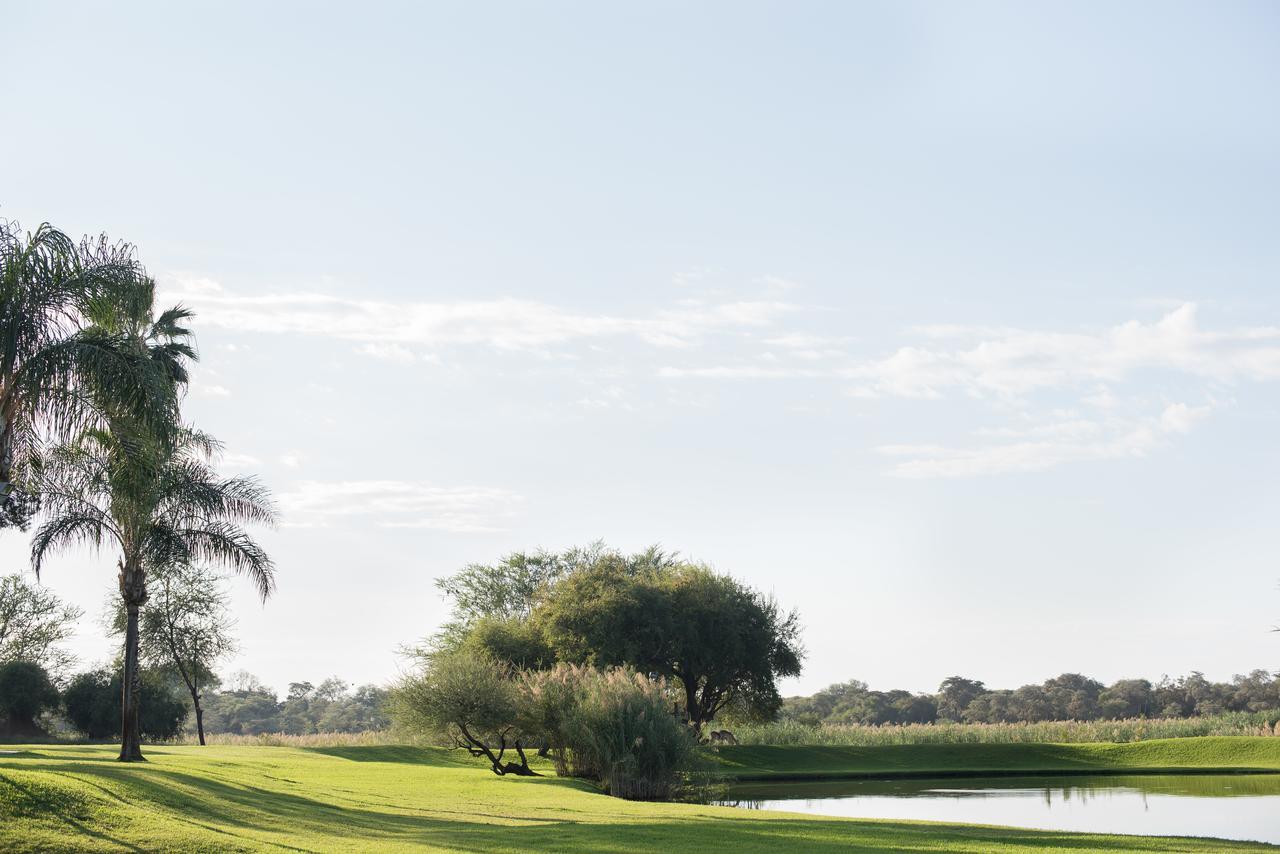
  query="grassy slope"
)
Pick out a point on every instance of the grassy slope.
point(1217, 753)
point(392, 799)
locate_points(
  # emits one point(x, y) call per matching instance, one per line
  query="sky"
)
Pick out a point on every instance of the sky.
point(955, 327)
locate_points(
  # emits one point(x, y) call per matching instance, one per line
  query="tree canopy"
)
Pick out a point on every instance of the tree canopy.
point(715, 637)
point(33, 624)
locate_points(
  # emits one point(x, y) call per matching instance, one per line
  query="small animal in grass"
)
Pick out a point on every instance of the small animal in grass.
point(722, 736)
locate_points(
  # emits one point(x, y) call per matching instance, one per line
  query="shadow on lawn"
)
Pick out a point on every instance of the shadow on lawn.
point(254, 815)
point(434, 757)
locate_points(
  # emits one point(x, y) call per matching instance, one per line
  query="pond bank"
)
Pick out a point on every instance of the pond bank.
point(1202, 755)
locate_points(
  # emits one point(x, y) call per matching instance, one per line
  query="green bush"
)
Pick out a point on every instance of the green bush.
point(615, 726)
point(92, 704)
point(472, 698)
point(25, 693)
point(621, 726)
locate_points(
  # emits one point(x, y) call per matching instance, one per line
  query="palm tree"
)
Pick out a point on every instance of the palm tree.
point(157, 502)
point(64, 352)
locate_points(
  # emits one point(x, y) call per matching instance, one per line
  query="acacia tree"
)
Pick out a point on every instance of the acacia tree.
point(158, 503)
point(60, 363)
point(721, 641)
point(474, 699)
point(33, 624)
point(186, 628)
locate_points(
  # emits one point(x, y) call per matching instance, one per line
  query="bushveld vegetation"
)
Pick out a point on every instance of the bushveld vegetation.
point(719, 642)
point(615, 726)
point(791, 732)
point(1069, 697)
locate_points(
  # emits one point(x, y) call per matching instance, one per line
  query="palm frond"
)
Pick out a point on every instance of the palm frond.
point(229, 545)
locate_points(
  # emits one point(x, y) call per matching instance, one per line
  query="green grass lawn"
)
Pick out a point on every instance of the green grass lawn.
point(220, 798)
point(1191, 755)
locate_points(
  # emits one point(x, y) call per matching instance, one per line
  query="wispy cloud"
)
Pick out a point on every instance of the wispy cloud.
point(390, 329)
point(238, 462)
point(400, 504)
point(1010, 362)
point(1016, 370)
point(1045, 446)
point(1020, 374)
point(1006, 362)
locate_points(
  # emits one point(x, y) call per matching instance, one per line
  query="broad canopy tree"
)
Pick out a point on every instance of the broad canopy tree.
point(720, 641)
point(717, 638)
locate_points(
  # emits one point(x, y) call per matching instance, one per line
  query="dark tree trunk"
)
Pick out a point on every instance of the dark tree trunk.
point(195, 702)
point(691, 705)
point(476, 747)
point(133, 589)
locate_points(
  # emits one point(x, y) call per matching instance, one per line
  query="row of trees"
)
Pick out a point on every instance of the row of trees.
point(245, 706)
point(92, 439)
point(89, 704)
point(722, 644)
point(1070, 696)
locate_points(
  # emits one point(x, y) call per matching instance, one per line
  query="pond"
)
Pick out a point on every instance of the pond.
point(1239, 806)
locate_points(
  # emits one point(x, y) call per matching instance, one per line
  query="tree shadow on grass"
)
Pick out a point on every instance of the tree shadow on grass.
point(29, 801)
point(258, 816)
point(434, 757)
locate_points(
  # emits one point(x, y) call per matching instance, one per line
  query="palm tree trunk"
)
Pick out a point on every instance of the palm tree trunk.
point(133, 589)
point(6, 458)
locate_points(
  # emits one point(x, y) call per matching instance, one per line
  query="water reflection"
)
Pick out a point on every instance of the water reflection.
point(1225, 806)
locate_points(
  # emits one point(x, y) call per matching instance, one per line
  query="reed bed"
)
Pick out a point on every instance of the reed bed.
point(1056, 732)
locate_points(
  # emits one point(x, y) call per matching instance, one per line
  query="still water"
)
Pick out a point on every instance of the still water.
point(1245, 806)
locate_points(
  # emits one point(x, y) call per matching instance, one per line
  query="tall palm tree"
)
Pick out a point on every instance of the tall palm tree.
point(158, 503)
point(63, 349)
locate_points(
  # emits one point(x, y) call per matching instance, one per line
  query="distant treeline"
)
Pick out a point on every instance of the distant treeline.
point(247, 707)
point(1068, 697)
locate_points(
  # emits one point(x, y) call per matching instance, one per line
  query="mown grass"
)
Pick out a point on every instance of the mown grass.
point(1054, 732)
point(1236, 754)
point(386, 798)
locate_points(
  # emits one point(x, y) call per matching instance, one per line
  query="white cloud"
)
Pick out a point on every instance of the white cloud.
point(778, 283)
point(1179, 418)
point(388, 352)
point(739, 372)
point(1108, 372)
point(389, 329)
point(1012, 362)
point(400, 504)
point(1004, 362)
point(1039, 447)
point(237, 462)
point(612, 397)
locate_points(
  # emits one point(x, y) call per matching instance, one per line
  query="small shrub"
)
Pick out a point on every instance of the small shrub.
point(621, 726)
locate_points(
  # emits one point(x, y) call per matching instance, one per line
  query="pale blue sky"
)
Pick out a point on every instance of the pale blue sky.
point(956, 326)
